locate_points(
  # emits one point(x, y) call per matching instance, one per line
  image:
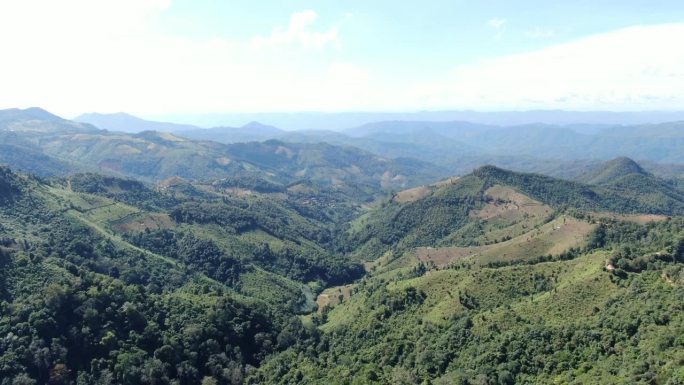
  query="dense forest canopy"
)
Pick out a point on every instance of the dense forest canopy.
point(156, 259)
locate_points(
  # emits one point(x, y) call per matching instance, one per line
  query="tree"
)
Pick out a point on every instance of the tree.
point(23, 379)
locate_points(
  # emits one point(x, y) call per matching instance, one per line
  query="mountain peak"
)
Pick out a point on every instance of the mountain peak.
point(626, 164)
point(489, 171)
point(254, 123)
point(614, 169)
point(31, 113)
point(257, 127)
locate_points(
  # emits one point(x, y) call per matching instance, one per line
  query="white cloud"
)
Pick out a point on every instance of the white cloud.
point(75, 56)
point(634, 68)
point(298, 32)
point(496, 23)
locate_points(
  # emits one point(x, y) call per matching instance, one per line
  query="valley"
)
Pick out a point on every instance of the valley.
point(152, 258)
point(341, 192)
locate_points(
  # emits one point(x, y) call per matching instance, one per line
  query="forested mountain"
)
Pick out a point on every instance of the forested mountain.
point(550, 147)
point(497, 278)
point(252, 131)
point(612, 170)
point(57, 146)
point(442, 214)
point(153, 258)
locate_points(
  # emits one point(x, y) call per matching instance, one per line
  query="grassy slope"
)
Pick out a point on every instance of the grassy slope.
point(412, 319)
point(558, 302)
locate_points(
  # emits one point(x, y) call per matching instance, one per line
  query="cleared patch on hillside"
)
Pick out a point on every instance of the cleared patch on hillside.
point(148, 222)
point(282, 150)
point(171, 182)
point(552, 238)
point(124, 149)
point(447, 181)
point(170, 137)
point(443, 256)
point(223, 161)
point(241, 192)
point(412, 194)
point(641, 219)
point(334, 296)
point(506, 203)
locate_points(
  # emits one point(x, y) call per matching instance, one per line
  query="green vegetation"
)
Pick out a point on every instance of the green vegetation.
point(47, 145)
point(567, 321)
point(80, 304)
point(636, 194)
point(211, 276)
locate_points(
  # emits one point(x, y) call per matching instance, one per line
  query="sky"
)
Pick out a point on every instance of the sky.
point(156, 57)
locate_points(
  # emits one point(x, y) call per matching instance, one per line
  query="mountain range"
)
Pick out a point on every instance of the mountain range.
point(344, 120)
point(392, 252)
point(460, 146)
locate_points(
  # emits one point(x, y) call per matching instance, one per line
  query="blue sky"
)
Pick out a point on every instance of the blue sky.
point(153, 57)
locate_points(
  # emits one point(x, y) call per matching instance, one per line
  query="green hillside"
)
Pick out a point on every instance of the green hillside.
point(568, 321)
point(537, 292)
point(155, 259)
point(446, 214)
point(133, 269)
point(478, 279)
point(47, 145)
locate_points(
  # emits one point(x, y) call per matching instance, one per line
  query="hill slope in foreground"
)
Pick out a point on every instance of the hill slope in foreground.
point(492, 278)
point(496, 278)
point(108, 280)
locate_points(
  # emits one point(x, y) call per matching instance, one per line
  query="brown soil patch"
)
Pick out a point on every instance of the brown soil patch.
point(223, 161)
point(170, 137)
point(170, 182)
point(443, 256)
point(641, 219)
point(509, 204)
point(412, 194)
point(447, 181)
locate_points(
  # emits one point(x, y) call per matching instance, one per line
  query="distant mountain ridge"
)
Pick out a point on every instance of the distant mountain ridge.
point(252, 131)
point(57, 147)
point(124, 122)
point(343, 120)
point(567, 151)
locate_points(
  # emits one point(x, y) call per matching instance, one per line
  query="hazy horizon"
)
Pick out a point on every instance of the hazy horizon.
point(336, 121)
